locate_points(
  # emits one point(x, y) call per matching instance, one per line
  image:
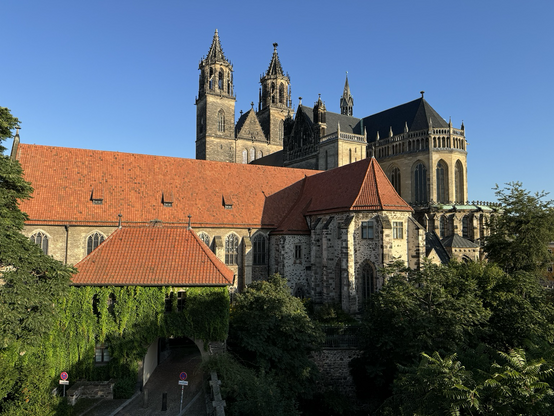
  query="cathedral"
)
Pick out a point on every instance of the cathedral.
point(423, 156)
point(325, 199)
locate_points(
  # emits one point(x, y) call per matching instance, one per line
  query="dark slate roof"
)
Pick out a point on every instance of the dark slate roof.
point(455, 241)
point(348, 124)
point(416, 114)
point(432, 241)
point(273, 159)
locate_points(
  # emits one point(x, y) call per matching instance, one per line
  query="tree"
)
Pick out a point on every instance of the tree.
point(521, 231)
point(31, 281)
point(270, 330)
point(440, 386)
point(469, 309)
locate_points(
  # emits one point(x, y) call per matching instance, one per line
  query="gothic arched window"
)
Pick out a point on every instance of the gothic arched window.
point(221, 121)
point(281, 94)
point(220, 80)
point(338, 281)
point(205, 238)
point(231, 249)
point(252, 154)
point(368, 282)
point(442, 227)
point(395, 179)
point(41, 239)
point(260, 154)
point(272, 93)
point(459, 182)
point(259, 250)
point(93, 241)
point(420, 183)
point(442, 194)
point(465, 226)
point(245, 156)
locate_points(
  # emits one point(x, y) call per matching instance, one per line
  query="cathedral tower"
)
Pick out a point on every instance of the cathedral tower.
point(346, 101)
point(274, 101)
point(215, 107)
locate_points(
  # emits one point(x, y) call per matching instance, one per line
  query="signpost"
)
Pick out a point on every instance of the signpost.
point(182, 383)
point(64, 381)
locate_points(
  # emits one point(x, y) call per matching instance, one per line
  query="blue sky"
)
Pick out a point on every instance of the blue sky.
point(123, 75)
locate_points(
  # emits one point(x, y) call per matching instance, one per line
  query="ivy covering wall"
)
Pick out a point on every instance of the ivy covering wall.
point(127, 319)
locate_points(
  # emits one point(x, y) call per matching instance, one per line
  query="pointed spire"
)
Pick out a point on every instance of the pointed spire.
point(346, 101)
point(463, 127)
point(216, 52)
point(275, 67)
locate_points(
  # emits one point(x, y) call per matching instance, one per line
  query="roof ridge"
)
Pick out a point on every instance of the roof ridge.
point(360, 190)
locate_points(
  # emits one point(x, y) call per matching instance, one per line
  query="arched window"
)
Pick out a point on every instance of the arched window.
point(220, 80)
point(459, 182)
point(41, 240)
point(211, 79)
point(281, 94)
point(367, 282)
point(205, 238)
point(281, 130)
point(420, 183)
point(272, 93)
point(221, 121)
point(349, 155)
point(245, 156)
point(93, 241)
point(465, 226)
point(259, 250)
point(395, 179)
point(338, 281)
point(231, 249)
point(260, 154)
point(442, 194)
point(442, 227)
point(252, 154)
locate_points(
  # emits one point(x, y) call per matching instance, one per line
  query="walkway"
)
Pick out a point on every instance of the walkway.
point(165, 379)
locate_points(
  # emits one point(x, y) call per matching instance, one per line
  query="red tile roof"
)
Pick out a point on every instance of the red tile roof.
point(152, 256)
point(65, 181)
point(360, 186)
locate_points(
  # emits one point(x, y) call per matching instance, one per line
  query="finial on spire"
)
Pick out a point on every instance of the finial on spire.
point(252, 104)
point(275, 47)
point(422, 92)
point(299, 101)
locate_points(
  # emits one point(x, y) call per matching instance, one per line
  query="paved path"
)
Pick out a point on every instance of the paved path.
point(165, 379)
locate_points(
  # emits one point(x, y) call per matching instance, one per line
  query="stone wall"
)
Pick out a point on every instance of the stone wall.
point(333, 365)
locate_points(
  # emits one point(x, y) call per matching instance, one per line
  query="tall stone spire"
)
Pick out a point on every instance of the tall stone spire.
point(215, 54)
point(275, 85)
point(346, 101)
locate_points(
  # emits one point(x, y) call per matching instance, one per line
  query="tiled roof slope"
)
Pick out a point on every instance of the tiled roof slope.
point(65, 180)
point(152, 256)
point(455, 241)
point(416, 114)
point(360, 186)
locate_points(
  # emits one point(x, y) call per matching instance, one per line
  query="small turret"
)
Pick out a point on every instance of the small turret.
point(346, 101)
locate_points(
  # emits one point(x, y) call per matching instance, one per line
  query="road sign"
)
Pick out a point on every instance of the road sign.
point(63, 375)
point(183, 376)
point(65, 382)
point(183, 383)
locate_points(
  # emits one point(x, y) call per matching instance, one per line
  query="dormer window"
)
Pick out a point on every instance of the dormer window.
point(227, 202)
point(167, 199)
point(97, 195)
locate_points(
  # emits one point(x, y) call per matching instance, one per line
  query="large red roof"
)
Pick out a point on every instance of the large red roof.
point(65, 181)
point(152, 256)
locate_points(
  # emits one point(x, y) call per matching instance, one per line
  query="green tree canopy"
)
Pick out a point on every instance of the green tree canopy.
point(270, 330)
point(521, 231)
